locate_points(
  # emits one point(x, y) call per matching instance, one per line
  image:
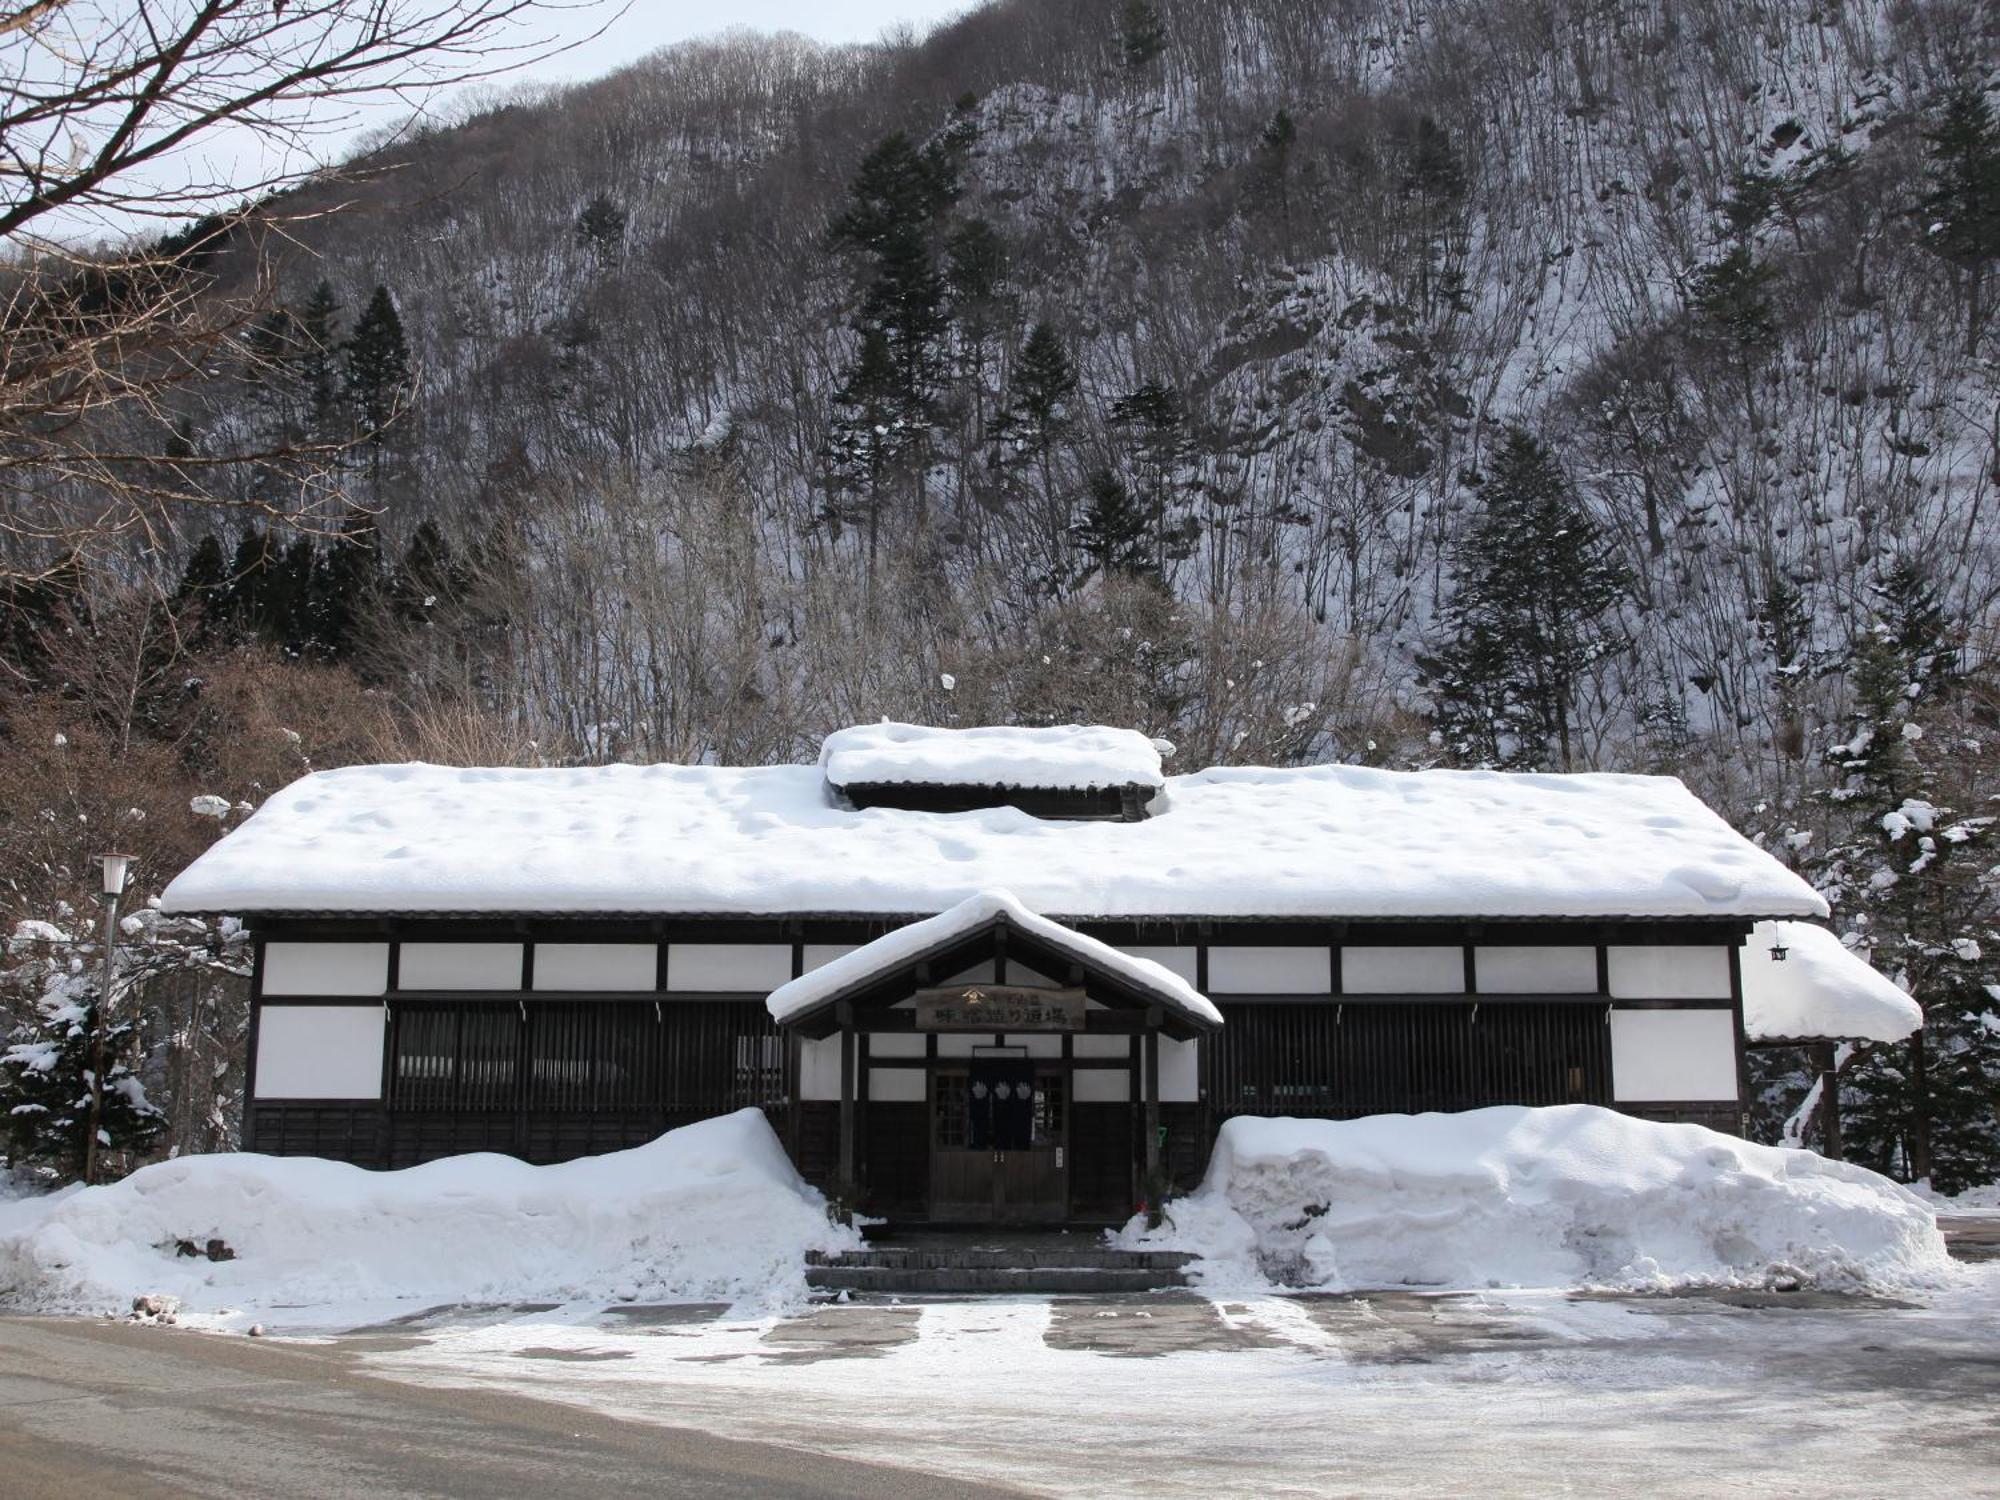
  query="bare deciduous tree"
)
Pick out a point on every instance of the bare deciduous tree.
point(108, 110)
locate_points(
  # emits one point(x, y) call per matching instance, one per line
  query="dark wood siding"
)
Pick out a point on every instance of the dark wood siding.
point(584, 1057)
point(1102, 1144)
point(1345, 1060)
point(895, 1158)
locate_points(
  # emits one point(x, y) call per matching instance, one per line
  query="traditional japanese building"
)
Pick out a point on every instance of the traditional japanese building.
point(998, 974)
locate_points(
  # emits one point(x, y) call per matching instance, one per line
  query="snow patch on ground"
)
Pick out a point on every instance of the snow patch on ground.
point(1573, 1195)
point(713, 1210)
point(1977, 1201)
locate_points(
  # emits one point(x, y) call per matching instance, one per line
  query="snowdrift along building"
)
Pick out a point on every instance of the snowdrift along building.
point(998, 974)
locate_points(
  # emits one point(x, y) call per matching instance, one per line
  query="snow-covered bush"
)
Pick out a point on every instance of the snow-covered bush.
point(66, 1038)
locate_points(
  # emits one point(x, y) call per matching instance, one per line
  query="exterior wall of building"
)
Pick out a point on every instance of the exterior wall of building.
point(1660, 1001)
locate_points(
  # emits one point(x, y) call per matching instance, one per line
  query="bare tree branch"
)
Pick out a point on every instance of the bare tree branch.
point(101, 102)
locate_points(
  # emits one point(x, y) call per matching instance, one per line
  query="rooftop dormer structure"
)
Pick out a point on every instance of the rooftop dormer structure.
point(1070, 772)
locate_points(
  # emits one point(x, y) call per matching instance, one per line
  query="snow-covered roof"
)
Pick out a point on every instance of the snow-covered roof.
point(1318, 841)
point(917, 940)
point(1821, 988)
point(1069, 757)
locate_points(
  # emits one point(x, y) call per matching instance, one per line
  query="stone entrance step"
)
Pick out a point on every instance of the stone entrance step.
point(988, 1265)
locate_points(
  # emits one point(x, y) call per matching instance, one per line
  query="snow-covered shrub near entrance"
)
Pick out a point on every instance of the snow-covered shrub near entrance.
point(713, 1210)
point(1567, 1196)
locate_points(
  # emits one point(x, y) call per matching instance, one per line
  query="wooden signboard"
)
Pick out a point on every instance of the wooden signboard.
point(999, 1007)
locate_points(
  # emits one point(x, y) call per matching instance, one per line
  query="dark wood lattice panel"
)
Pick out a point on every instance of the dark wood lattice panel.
point(683, 1058)
point(1346, 1060)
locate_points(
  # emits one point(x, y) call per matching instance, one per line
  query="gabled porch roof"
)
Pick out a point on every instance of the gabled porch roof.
point(992, 923)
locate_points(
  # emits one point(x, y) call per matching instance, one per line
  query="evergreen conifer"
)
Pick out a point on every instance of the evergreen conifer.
point(378, 366)
point(1960, 207)
point(1534, 609)
point(1142, 35)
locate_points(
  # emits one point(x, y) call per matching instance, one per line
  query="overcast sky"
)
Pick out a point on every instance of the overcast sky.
point(650, 24)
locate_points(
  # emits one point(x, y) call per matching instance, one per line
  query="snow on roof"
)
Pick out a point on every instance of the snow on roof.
point(1319, 841)
point(1070, 757)
point(909, 943)
point(1821, 988)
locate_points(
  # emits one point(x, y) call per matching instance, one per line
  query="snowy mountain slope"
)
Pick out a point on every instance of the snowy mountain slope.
point(1482, 214)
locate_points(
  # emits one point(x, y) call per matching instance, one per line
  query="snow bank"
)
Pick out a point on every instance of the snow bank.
point(710, 1211)
point(914, 940)
point(1822, 988)
point(1320, 841)
point(1068, 757)
point(1568, 1196)
point(1974, 1202)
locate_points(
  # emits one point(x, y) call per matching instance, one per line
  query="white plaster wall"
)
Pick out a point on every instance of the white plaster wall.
point(816, 954)
point(458, 966)
point(326, 968)
point(1102, 1086)
point(610, 967)
point(1179, 959)
point(960, 1044)
point(1672, 1055)
point(1536, 971)
point(895, 1044)
point(1667, 972)
point(1402, 971)
point(1020, 973)
point(981, 973)
point(819, 1067)
point(1038, 1043)
point(730, 968)
point(896, 1085)
point(319, 1052)
point(1103, 1046)
point(1180, 1071)
point(1269, 971)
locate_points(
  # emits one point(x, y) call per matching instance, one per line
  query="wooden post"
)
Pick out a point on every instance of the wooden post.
point(1155, 1187)
point(845, 1015)
point(1822, 1055)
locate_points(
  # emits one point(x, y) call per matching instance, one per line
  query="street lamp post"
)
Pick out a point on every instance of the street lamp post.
point(111, 888)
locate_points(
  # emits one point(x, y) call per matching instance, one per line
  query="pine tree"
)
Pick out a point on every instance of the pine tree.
point(378, 366)
point(45, 1081)
point(247, 605)
point(1142, 35)
point(429, 578)
point(975, 275)
point(1273, 165)
point(1157, 421)
point(1038, 413)
point(204, 587)
point(1434, 179)
point(346, 585)
point(1730, 299)
point(1912, 880)
point(1115, 532)
point(876, 429)
point(895, 208)
point(319, 362)
point(1785, 627)
point(1038, 397)
point(1535, 608)
point(1960, 206)
point(600, 228)
point(290, 615)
